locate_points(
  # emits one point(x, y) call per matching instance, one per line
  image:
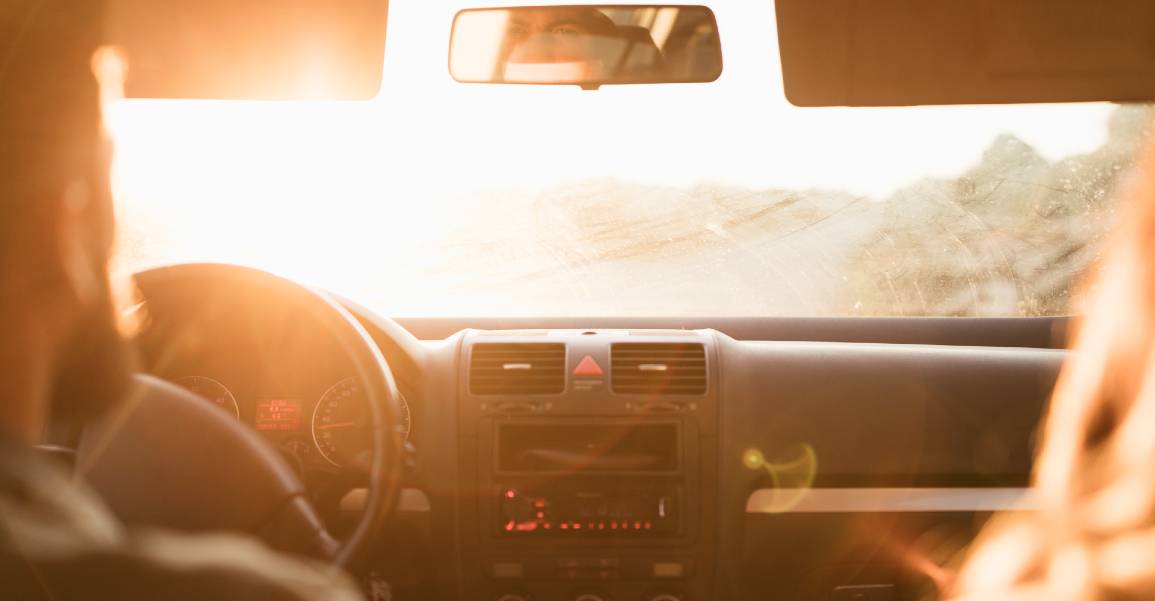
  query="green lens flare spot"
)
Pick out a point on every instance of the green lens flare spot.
point(753, 459)
point(791, 476)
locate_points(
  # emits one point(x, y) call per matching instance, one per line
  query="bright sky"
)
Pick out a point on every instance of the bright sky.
point(297, 187)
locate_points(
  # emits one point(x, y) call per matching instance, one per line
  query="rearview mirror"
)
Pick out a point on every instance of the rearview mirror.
point(588, 46)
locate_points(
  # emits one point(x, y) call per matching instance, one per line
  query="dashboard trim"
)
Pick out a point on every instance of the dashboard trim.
point(889, 500)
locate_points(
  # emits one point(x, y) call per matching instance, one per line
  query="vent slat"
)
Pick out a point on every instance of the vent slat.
point(536, 355)
point(669, 380)
point(669, 368)
point(496, 380)
point(661, 358)
point(497, 363)
point(669, 365)
point(545, 373)
point(690, 360)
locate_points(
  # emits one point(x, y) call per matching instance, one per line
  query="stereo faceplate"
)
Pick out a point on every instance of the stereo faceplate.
point(601, 507)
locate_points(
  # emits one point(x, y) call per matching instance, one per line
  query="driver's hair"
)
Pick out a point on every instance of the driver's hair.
point(1093, 536)
point(50, 124)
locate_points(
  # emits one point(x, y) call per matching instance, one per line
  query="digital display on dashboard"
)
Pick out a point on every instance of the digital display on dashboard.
point(278, 415)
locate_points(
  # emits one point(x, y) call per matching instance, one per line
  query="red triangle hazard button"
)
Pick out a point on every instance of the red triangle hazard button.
point(587, 367)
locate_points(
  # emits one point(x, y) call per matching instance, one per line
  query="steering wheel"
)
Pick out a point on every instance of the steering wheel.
point(167, 458)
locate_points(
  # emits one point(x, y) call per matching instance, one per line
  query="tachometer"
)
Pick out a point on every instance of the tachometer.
point(341, 427)
point(212, 391)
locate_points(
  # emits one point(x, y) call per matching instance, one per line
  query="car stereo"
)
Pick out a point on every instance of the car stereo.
point(603, 507)
point(587, 479)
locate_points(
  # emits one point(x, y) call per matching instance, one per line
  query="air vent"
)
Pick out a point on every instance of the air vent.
point(658, 368)
point(513, 368)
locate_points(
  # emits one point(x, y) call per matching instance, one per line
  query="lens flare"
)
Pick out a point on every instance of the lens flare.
point(793, 478)
point(753, 459)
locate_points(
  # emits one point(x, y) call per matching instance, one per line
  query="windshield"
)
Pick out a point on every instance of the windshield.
point(450, 199)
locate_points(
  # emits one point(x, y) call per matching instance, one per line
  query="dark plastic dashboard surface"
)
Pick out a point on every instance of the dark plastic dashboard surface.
point(880, 414)
point(917, 427)
point(906, 421)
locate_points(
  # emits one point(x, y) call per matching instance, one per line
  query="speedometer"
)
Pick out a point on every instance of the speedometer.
point(341, 426)
point(212, 391)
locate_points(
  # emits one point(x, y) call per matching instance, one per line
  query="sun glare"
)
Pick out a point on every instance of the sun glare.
point(348, 195)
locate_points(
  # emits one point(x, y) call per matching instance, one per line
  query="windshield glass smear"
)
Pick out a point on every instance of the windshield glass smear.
point(442, 198)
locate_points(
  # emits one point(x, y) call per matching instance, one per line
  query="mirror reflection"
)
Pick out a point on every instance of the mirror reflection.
point(586, 45)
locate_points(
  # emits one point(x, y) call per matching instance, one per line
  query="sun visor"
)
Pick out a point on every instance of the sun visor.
point(928, 52)
point(250, 49)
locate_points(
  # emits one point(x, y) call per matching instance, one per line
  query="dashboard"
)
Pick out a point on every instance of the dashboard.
point(563, 463)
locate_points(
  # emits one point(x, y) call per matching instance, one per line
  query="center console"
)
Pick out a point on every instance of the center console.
point(589, 457)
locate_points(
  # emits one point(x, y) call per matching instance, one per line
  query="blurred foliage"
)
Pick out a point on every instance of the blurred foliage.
point(1013, 235)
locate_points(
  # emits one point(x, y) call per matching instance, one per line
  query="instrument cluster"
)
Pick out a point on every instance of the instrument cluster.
point(330, 429)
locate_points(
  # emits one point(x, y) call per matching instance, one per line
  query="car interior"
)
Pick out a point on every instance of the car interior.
point(631, 457)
